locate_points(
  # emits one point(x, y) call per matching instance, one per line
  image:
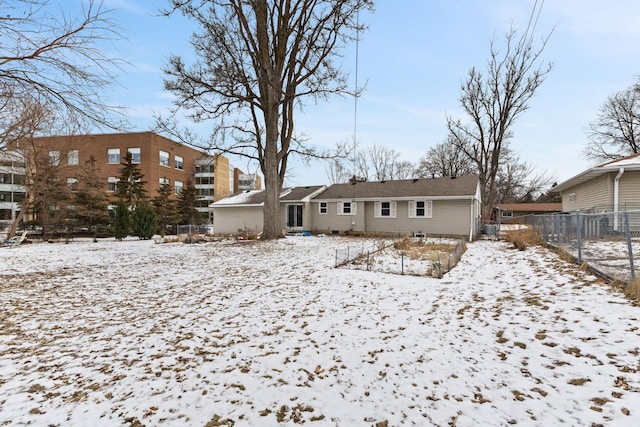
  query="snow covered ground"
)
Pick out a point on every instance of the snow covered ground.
point(263, 334)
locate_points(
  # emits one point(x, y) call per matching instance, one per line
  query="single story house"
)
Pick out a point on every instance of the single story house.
point(517, 213)
point(435, 206)
point(610, 187)
point(244, 212)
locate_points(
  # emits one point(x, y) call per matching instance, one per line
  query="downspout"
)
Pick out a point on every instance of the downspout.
point(471, 214)
point(616, 198)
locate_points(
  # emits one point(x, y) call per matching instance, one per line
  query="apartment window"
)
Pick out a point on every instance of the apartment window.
point(72, 183)
point(164, 181)
point(420, 209)
point(385, 209)
point(54, 158)
point(179, 162)
point(112, 182)
point(113, 156)
point(179, 186)
point(324, 208)
point(347, 208)
point(135, 154)
point(203, 180)
point(72, 157)
point(164, 158)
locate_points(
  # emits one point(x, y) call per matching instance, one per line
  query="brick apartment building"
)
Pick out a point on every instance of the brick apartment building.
point(159, 159)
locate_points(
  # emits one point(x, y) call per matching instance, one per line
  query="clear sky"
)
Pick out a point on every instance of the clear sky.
point(413, 58)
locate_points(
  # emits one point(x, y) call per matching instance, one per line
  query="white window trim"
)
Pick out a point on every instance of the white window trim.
point(179, 162)
point(354, 209)
point(506, 214)
point(377, 210)
point(326, 208)
point(73, 157)
point(134, 151)
point(112, 152)
point(428, 208)
point(165, 155)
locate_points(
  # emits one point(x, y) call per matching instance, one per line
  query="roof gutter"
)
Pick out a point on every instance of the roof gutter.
point(616, 198)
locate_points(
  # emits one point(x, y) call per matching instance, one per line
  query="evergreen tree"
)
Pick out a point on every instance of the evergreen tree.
point(50, 198)
point(144, 221)
point(90, 199)
point(122, 221)
point(165, 208)
point(186, 205)
point(130, 186)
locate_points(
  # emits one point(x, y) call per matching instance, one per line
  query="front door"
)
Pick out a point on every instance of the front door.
point(294, 216)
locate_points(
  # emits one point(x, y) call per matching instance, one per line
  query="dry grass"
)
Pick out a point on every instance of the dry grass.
point(632, 290)
point(422, 249)
point(523, 238)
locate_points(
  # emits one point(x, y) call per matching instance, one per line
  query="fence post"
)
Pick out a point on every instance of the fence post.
point(367, 260)
point(402, 262)
point(578, 237)
point(336, 265)
point(629, 249)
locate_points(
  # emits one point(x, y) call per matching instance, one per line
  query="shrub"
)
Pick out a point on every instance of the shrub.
point(144, 221)
point(122, 221)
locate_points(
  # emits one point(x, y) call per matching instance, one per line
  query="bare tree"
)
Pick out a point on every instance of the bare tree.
point(494, 101)
point(380, 163)
point(258, 61)
point(616, 131)
point(52, 59)
point(445, 159)
point(518, 182)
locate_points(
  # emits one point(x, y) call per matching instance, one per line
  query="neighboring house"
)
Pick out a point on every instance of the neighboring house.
point(428, 206)
point(610, 187)
point(518, 212)
point(244, 212)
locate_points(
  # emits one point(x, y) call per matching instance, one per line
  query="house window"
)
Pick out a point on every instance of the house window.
point(112, 181)
point(179, 186)
point(420, 209)
point(72, 157)
point(54, 158)
point(572, 198)
point(507, 214)
point(385, 209)
point(294, 215)
point(72, 183)
point(164, 158)
point(113, 156)
point(179, 162)
point(135, 154)
point(347, 208)
point(164, 181)
point(324, 209)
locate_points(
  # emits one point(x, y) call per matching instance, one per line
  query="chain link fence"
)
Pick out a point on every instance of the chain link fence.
point(435, 257)
point(608, 242)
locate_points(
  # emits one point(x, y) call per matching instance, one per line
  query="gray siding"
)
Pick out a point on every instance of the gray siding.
point(592, 194)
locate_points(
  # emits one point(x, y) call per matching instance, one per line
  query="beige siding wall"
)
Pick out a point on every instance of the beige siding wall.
point(629, 190)
point(595, 193)
point(229, 220)
point(332, 221)
point(449, 217)
point(307, 219)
